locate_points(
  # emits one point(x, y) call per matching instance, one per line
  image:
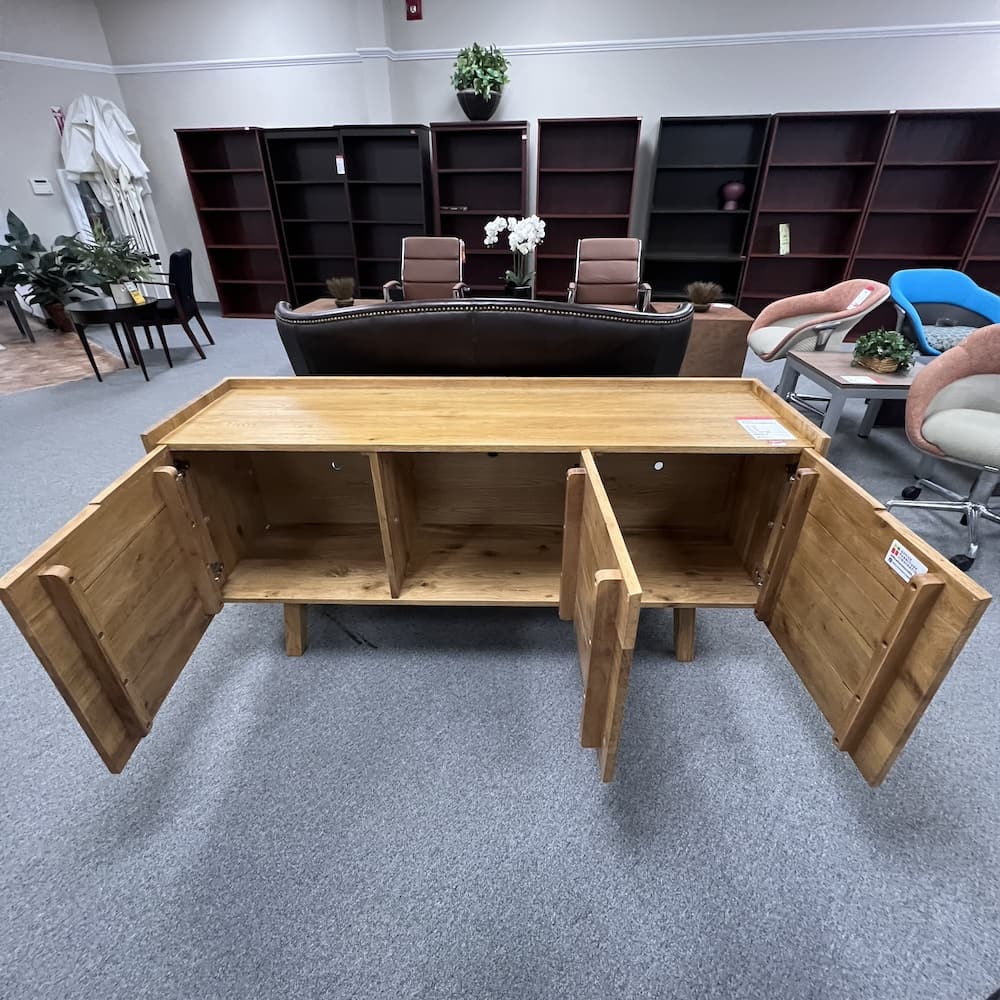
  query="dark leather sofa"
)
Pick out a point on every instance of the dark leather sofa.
point(506, 337)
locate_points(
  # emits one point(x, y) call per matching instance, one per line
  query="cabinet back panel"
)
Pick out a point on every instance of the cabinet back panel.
point(827, 139)
point(949, 136)
point(819, 233)
point(303, 159)
point(561, 235)
point(919, 234)
point(303, 488)
point(791, 275)
point(710, 142)
point(384, 158)
point(242, 265)
point(587, 144)
point(699, 188)
point(236, 227)
point(230, 190)
point(474, 488)
point(220, 150)
point(687, 493)
point(312, 201)
point(317, 270)
point(497, 193)
point(319, 237)
point(932, 187)
point(709, 234)
point(384, 239)
point(584, 193)
point(478, 150)
point(815, 188)
point(401, 202)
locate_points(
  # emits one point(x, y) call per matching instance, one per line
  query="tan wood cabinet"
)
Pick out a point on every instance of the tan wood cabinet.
point(599, 497)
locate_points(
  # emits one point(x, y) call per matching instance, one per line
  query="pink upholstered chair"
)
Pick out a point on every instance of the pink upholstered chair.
point(814, 321)
point(607, 274)
point(431, 269)
point(953, 414)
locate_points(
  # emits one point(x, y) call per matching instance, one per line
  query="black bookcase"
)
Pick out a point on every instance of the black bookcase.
point(310, 185)
point(690, 236)
point(479, 173)
point(389, 196)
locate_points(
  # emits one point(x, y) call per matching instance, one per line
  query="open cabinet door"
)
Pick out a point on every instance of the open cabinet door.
point(870, 616)
point(115, 602)
point(600, 592)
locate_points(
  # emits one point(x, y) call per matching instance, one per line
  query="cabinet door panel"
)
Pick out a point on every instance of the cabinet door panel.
point(112, 608)
point(600, 592)
point(872, 646)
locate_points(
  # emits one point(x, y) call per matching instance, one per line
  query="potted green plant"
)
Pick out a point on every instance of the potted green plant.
point(54, 277)
point(883, 351)
point(114, 259)
point(478, 77)
point(342, 290)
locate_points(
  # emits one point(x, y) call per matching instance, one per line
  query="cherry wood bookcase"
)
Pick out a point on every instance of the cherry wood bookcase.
point(480, 172)
point(586, 172)
point(690, 237)
point(231, 187)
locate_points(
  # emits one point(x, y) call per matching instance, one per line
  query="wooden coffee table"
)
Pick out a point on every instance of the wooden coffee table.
point(718, 344)
point(833, 371)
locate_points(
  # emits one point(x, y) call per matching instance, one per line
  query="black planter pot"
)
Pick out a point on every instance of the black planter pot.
point(517, 291)
point(476, 108)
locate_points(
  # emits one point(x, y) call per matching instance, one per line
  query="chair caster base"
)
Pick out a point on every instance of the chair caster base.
point(963, 562)
point(911, 493)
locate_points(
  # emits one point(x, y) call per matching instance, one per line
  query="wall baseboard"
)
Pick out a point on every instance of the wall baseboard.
point(543, 49)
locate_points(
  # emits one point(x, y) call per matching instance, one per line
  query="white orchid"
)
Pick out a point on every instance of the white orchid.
point(523, 237)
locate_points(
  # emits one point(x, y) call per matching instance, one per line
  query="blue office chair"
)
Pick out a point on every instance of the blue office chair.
point(938, 308)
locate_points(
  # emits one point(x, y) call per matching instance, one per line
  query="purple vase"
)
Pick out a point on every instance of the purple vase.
point(731, 193)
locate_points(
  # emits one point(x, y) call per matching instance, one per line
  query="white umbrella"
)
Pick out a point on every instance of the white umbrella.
point(100, 145)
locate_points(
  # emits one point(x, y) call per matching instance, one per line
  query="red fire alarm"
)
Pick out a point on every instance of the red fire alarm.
point(414, 11)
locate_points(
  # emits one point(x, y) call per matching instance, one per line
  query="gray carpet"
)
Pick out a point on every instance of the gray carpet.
point(404, 812)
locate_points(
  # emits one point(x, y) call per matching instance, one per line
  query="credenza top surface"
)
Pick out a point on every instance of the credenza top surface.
point(483, 414)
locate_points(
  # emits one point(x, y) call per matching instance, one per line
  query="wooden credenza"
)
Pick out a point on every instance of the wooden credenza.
point(599, 497)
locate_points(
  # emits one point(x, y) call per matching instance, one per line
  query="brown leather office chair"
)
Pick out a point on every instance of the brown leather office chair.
point(607, 274)
point(431, 269)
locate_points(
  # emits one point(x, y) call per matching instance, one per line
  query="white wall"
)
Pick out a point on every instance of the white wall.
point(143, 31)
point(281, 87)
point(60, 29)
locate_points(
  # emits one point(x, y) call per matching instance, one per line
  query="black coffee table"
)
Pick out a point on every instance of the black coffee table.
point(105, 311)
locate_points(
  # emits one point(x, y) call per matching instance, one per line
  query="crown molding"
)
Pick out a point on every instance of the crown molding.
point(547, 49)
point(26, 58)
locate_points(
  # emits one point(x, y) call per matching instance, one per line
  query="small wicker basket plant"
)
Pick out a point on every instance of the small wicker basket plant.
point(883, 351)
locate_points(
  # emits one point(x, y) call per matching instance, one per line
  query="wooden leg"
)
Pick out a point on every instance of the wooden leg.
point(163, 342)
point(133, 346)
point(684, 621)
point(204, 328)
point(118, 341)
point(193, 338)
point(86, 346)
point(296, 629)
point(149, 337)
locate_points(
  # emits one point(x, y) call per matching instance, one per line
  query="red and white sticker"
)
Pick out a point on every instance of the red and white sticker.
point(903, 562)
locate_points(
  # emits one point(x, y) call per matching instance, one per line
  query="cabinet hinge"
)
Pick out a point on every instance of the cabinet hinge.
point(182, 468)
point(217, 569)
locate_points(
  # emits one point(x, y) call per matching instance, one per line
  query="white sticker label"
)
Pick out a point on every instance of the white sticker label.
point(340, 164)
point(859, 298)
point(722, 305)
point(903, 562)
point(784, 238)
point(765, 429)
point(860, 380)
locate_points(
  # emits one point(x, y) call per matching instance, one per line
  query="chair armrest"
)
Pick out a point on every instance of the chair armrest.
point(460, 290)
point(392, 291)
point(643, 296)
point(571, 292)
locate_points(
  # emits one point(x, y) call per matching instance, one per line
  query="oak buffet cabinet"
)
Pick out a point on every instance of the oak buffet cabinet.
point(599, 497)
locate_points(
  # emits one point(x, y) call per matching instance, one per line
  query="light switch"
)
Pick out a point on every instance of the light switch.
point(40, 185)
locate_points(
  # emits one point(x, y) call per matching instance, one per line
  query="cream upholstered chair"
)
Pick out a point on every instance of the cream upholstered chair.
point(431, 269)
point(607, 274)
point(814, 321)
point(953, 413)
